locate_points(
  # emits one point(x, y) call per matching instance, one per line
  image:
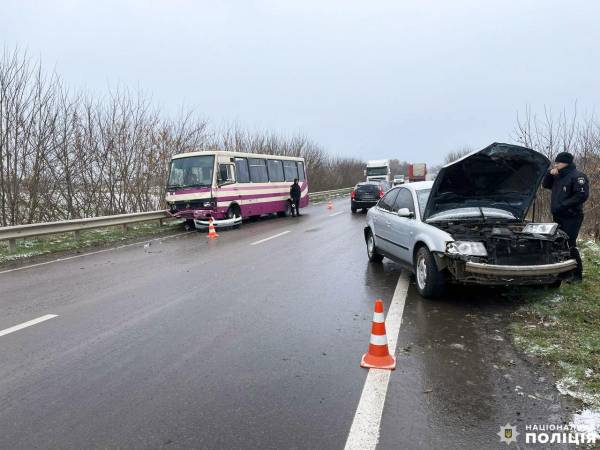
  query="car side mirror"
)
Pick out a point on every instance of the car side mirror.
point(405, 212)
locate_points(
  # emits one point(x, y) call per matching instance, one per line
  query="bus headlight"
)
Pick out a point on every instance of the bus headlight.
point(466, 248)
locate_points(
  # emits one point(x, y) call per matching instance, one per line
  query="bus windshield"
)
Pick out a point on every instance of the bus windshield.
point(192, 171)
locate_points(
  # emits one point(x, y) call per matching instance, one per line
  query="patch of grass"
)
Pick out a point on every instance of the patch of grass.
point(562, 327)
point(56, 243)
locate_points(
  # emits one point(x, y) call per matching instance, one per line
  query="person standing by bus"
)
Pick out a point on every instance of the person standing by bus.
point(295, 194)
point(570, 190)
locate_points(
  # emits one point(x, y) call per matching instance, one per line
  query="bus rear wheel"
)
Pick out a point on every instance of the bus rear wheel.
point(287, 211)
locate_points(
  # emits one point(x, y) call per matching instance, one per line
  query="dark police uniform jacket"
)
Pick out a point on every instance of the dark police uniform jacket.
point(295, 191)
point(570, 189)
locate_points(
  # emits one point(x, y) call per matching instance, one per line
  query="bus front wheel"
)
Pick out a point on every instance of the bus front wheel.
point(233, 212)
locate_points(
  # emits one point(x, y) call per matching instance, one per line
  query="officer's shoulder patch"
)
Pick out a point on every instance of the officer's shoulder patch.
point(581, 180)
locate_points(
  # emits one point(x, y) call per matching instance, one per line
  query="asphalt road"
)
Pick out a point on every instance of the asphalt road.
point(250, 342)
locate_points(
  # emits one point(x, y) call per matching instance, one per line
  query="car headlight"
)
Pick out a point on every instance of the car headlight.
point(541, 228)
point(466, 248)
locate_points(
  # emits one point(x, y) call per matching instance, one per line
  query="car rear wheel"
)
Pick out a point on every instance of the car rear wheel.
point(371, 249)
point(430, 281)
point(353, 209)
point(189, 225)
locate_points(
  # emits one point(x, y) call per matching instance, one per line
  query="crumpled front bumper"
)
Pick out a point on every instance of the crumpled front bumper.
point(195, 214)
point(218, 223)
point(520, 271)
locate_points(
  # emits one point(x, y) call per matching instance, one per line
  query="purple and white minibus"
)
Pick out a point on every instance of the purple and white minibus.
point(229, 186)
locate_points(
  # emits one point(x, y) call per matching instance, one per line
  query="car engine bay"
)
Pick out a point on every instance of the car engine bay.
point(506, 244)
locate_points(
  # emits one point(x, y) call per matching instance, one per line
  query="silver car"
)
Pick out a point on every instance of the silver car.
point(469, 226)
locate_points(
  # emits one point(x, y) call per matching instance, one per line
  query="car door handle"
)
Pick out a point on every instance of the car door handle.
point(388, 223)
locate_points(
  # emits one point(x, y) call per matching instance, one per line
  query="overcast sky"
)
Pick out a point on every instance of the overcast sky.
point(397, 79)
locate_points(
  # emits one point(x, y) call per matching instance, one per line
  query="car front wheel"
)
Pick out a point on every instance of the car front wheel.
point(371, 249)
point(430, 281)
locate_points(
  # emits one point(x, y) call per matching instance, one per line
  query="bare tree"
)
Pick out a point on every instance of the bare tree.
point(66, 155)
point(553, 133)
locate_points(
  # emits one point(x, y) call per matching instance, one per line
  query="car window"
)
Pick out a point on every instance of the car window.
point(387, 201)
point(404, 200)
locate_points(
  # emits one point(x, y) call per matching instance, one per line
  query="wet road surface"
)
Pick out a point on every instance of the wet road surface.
point(459, 379)
point(249, 343)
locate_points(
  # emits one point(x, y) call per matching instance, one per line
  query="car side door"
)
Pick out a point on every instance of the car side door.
point(402, 228)
point(381, 220)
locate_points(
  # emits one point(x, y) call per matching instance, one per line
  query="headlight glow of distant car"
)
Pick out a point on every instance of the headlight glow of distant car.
point(541, 228)
point(466, 248)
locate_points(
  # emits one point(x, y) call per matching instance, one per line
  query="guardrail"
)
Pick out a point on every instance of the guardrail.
point(11, 234)
point(316, 196)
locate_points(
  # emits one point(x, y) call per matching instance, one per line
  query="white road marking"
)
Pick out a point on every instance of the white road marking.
point(269, 238)
point(336, 214)
point(364, 432)
point(90, 253)
point(27, 324)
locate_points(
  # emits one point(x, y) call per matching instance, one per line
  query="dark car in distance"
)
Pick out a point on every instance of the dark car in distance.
point(367, 194)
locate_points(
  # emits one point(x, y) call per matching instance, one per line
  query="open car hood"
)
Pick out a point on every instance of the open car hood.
point(501, 176)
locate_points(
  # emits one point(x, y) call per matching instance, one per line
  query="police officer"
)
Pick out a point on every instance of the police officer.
point(570, 189)
point(295, 193)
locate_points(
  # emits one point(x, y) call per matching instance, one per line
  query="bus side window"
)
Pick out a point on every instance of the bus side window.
point(290, 170)
point(242, 172)
point(226, 174)
point(301, 174)
point(258, 170)
point(275, 170)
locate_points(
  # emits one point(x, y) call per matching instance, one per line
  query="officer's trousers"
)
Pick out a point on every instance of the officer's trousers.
point(571, 226)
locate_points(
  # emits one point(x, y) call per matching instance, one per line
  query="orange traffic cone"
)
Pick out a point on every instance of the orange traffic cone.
point(329, 204)
point(212, 233)
point(378, 356)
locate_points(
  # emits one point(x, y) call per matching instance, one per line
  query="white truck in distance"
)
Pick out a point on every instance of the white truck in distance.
point(378, 170)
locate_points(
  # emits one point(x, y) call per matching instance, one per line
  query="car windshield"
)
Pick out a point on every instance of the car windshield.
point(422, 196)
point(191, 171)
